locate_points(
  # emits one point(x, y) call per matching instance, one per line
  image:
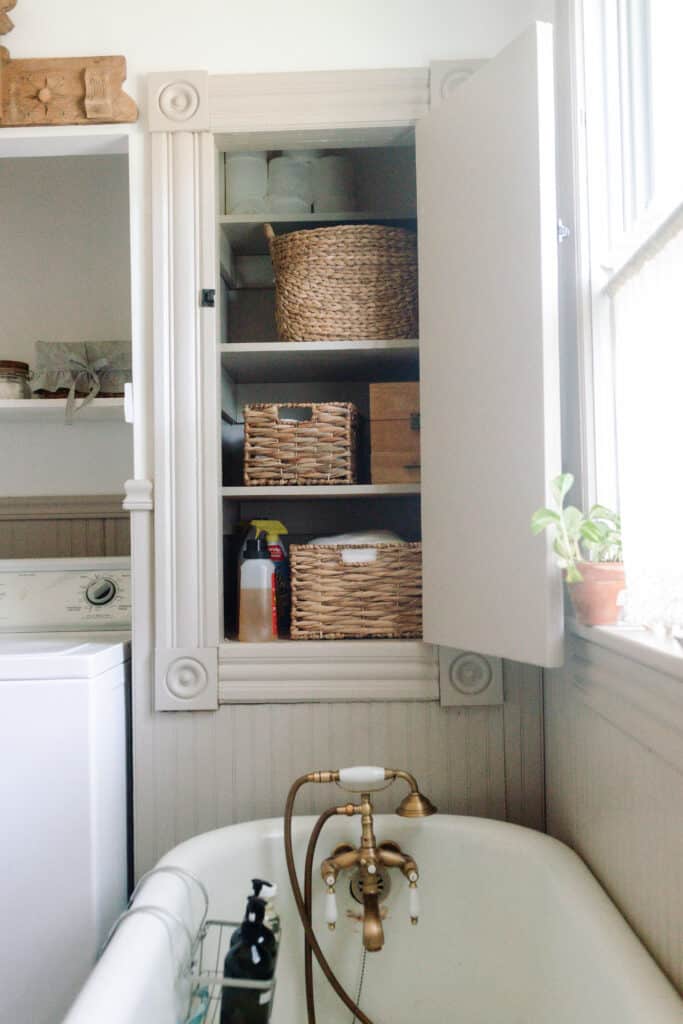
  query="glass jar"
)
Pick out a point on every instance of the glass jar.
point(14, 379)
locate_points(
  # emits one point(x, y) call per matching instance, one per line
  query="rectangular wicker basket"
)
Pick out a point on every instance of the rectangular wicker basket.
point(342, 591)
point(318, 450)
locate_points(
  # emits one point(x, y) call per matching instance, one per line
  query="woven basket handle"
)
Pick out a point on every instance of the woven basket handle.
point(297, 405)
point(269, 233)
point(358, 556)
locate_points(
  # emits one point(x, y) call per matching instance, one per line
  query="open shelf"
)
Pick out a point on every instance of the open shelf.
point(283, 361)
point(244, 231)
point(50, 410)
point(298, 493)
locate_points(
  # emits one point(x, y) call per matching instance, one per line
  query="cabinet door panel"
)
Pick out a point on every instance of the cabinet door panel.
point(489, 365)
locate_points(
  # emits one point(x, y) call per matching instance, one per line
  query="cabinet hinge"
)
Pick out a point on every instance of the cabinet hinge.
point(208, 298)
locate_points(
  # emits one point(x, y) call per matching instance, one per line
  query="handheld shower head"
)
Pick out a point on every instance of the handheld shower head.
point(415, 805)
point(369, 778)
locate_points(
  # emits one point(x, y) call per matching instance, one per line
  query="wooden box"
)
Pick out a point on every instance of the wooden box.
point(395, 433)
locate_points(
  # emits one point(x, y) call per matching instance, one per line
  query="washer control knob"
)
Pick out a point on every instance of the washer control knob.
point(101, 591)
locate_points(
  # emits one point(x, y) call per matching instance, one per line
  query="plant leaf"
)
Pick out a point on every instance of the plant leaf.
point(543, 518)
point(594, 533)
point(560, 486)
point(573, 521)
point(562, 550)
point(602, 512)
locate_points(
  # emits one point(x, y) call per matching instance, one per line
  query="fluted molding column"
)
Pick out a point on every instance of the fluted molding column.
point(186, 409)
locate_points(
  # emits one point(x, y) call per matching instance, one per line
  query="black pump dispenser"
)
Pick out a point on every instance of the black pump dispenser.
point(251, 957)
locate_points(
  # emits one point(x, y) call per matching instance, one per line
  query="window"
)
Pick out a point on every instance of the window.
point(631, 83)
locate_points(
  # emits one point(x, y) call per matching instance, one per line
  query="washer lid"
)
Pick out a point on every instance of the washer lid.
point(59, 656)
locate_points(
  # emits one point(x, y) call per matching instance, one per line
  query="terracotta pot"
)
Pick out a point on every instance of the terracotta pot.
point(595, 598)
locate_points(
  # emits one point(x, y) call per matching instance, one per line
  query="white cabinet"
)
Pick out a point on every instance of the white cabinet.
point(487, 353)
point(489, 357)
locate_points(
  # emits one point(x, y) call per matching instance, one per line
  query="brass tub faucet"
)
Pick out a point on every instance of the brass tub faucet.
point(370, 858)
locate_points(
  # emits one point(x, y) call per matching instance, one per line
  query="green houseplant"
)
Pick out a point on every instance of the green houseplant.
point(595, 579)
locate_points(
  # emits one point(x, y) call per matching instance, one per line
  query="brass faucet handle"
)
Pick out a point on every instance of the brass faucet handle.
point(343, 857)
point(392, 856)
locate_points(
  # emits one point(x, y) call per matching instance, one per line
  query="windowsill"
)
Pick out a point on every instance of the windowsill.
point(664, 654)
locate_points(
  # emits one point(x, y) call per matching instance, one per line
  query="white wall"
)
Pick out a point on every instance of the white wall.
point(65, 237)
point(65, 231)
point(270, 35)
point(614, 786)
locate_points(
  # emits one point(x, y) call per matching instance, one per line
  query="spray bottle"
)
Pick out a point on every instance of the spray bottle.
point(274, 530)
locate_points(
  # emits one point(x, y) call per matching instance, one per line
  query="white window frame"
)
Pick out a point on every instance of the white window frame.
point(606, 123)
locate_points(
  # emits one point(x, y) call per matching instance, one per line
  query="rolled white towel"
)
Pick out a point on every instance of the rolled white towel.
point(366, 537)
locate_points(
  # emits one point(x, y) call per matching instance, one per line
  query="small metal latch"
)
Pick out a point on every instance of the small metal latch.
point(414, 421)
point(563, 232)
point(208, 298)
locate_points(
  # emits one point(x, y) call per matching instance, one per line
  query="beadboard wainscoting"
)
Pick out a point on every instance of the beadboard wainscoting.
point(614, 783)
point(200, 770)
point(63, 527)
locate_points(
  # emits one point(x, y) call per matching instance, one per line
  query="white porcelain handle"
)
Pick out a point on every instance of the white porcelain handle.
point(331, 907)
point(414, 903)
point(362, 778)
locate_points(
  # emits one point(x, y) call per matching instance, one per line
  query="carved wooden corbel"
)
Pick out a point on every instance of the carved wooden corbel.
point(72, 90)
point(6, 23)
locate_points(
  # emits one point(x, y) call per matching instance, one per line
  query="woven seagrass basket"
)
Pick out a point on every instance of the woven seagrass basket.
point(352, 282)
point(338, 594)
point(317, 450)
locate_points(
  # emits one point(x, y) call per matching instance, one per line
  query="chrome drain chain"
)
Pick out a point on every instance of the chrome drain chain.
point(360, 982)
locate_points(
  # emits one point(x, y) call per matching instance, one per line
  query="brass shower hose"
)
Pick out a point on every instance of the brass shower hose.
point(304, 903)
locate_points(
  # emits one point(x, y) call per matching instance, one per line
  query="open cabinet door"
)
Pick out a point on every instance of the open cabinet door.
point(489, 364)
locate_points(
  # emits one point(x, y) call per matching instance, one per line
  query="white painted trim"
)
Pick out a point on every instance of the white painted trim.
point(67, 140)
point(330, 99)
point(141, 305)
point(139, 496)
point(663, 654)
point(186, 679)
point(187, 416)
point(312, 671)
point(447, 75)
point(649, 234)
point(177, 101)
point(646, 705)
point(581, 242)
point(100, 506)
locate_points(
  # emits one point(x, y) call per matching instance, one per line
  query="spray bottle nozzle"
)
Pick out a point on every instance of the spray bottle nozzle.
point(272, 528)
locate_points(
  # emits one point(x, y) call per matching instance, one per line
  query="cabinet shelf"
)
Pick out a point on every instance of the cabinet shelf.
point(296, 493)
point(244, 231)
point(51, 410)
point(282, 361)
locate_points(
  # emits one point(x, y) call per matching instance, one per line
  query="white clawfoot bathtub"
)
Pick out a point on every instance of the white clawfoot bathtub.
point(513, 930)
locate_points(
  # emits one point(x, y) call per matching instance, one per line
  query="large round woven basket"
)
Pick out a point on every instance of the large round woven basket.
point(351, 282)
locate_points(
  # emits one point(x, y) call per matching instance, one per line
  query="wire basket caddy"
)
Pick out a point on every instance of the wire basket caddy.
point(208, 982)
point(199, 981)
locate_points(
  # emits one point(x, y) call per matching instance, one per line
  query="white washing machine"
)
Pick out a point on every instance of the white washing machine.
point(64, 775)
